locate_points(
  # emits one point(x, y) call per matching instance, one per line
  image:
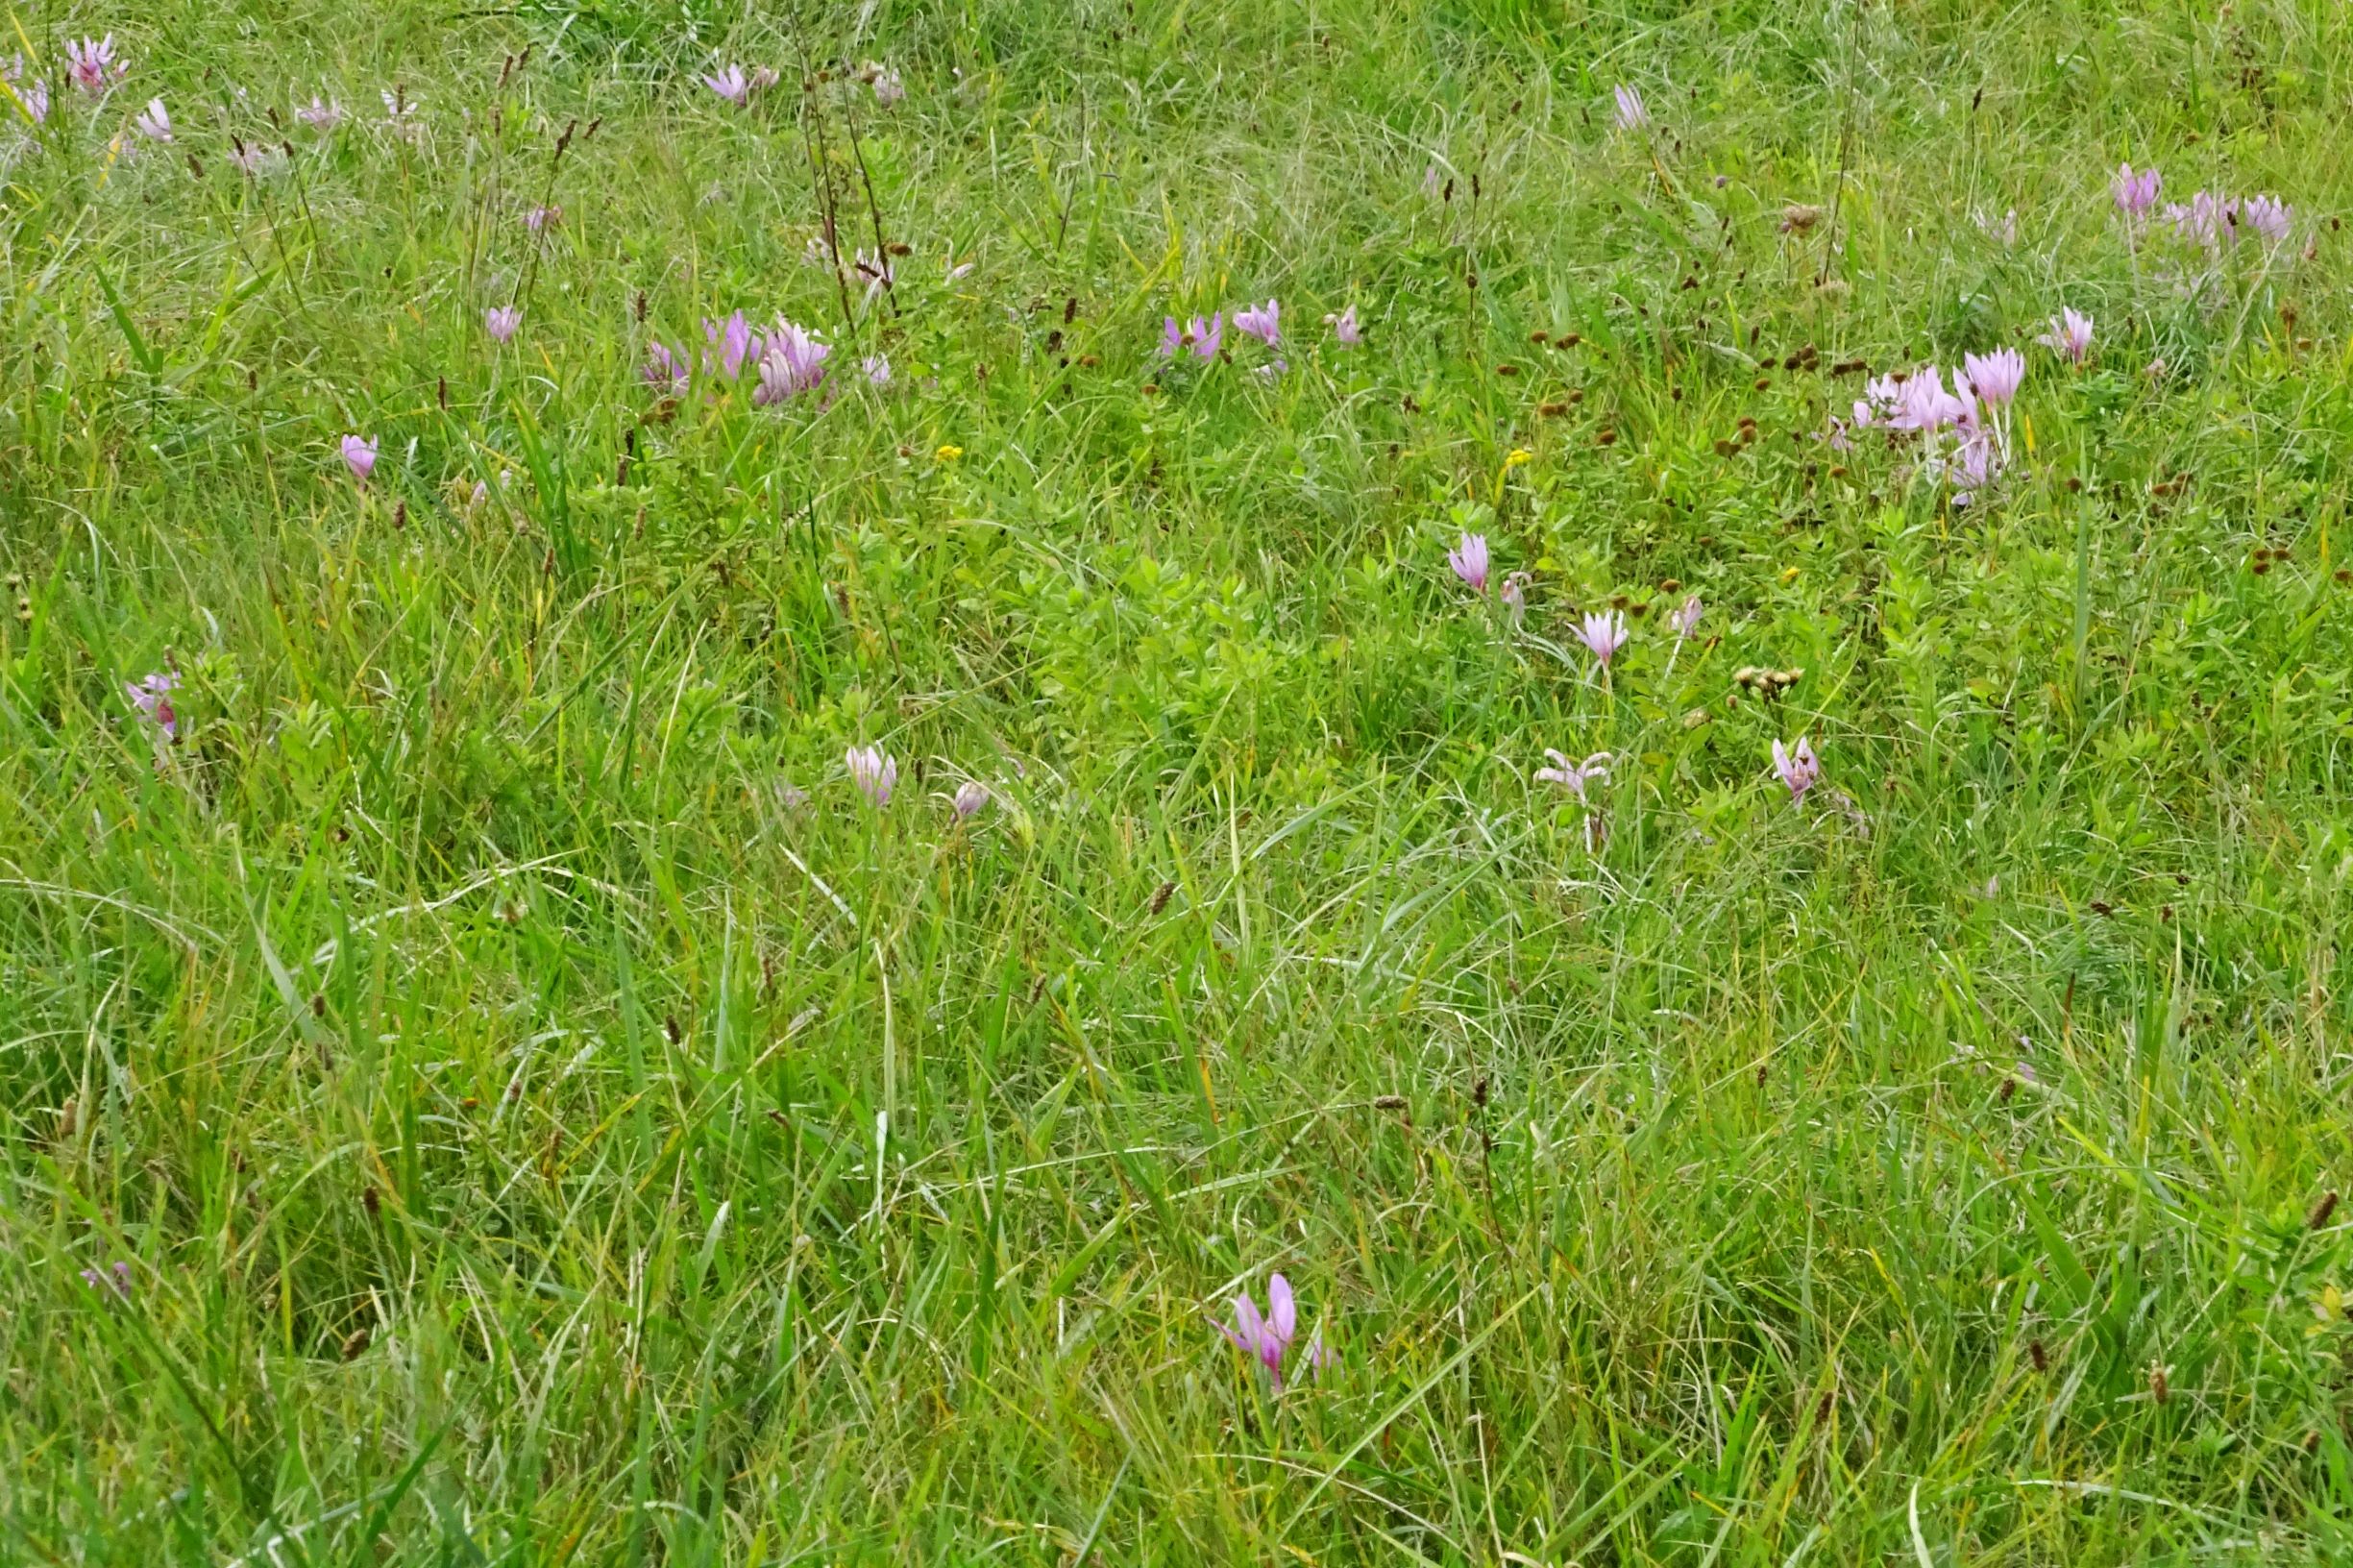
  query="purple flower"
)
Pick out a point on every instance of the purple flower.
point(2267, 215)
point(1575, 775)
point(151, 696)
point(2135, 193)
point(663, 370)
point(154, 122)
point(321, 115)
point(34, 97)
point(2071, 333)
point(731, 84)
point(1514, 594)
point(877, 368)
point(1206, 337)
point(1976, 463)
point(1603, 633)
point(116, 1279)
point(500, 321)
point(734, 340)
point(1684, 618)
point(93, 65)
point(889, 89)
point(1263, 324)
point(1797, 769)
point(1268, 1337)
point(1632, 114)
point(1914, 402)
point(875, 772)
point(1171, 337)
point(1994, 378)
point(1344, 329)
point(540, 219)
point(1469, 559)
point(970, 795)
point(359, 456)
point(791, 361)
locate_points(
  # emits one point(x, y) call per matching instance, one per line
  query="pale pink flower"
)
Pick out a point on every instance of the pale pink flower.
point(2266, 216)
point(1994, 378)
point(1208, 336)
point(877, 368)
point(1684, 618)
point(663, 371)
point(889, 89)
point(359, 456)
point(92, 66)
point(733, 339)
point(1514, 594)
point(731, 84)
point(1263, 322)
point(540, 219)
point(875, 772)
point(1469, 559)
point(33, 97)
point(1632, 114)
point(154, 122)
point(320, 114)
point(116, 1279)
point(791, 361)
point(970, 795)
point(500, 321)
point(2135, 193)
point(2071, 333)
point(1575, 776)
point(1171, 337)
point(1268, 1336)
point(1344, 329)
point(1797, 769)
point(151, 696)
point(1603, 633)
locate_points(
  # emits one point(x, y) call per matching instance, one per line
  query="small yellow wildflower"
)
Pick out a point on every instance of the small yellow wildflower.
point(948, 453)
point(1789, 576)
point(1520, 457)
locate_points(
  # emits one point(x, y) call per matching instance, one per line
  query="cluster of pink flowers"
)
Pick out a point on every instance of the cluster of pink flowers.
point(876, 774)
point(2212, 220)
point(31, 96)
point(1206, 337)
point(788, 359)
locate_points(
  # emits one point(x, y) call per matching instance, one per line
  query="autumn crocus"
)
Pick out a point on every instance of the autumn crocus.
point(2135, 194)
point(1261, 322)
point(970, 795)
point(540, 219)
point(1799, 770)
point(154, 122)
point(663, 370)
point(1604, 633)
point(359, 456)
point(1684, 618)
point(2071, 333)
point(320, 114)
point(1207, 336)
point(1514, 594)
point(33, 96)
point(116, 1279)
point(731, 84)
point(1575, 776)
point(732, 341)
point(791, 361)
point(1344, 329)
point(1268, 1336)
point(889, 89)
point(500, 321)
point(1469, 559)
point(93, 65)
point(875, 772)
point(151, 696)
point(1633, 115)
point(1994, 378)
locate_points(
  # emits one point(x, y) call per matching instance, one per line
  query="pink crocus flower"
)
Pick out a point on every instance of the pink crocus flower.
point(116, 1279)
point(1797, 769)
point(734, 342)
point(540, 219)
point(1632, 114)
point(1268, 1337)
point(154, 122)
point(1344, 329)
point(151, 696)
point(1684, 618)
point(320, 114)
point(1514, 594)
point(875, 772)
point(1994, 378)
point(93, 65)
point(2071, 333)
point(791, 361)
point(877, 368)
point(359, 456)
point(1575, 776)
point(1469, 559)
point(31, 96)
point(970, 795)
point(1265, 324)
point(500, 321)
point(663, 370)
point(889, 89)
point(2266, 216)
point(731, 84)
point(1171, 337)
point(1206, 337)
point(2135, 193)
point(1603, 633)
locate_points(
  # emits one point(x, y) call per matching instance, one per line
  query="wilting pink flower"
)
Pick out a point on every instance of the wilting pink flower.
point(877, 368)
point(875, 772)
point(151, 696)
point(116, 1279)
point(1263, 324)
point(2135, 193)
point(970, 795)
point(1344, 329)
point(93, 65)
point(889, 89)
point(1603, 633)
point(2071, 333)
point(500, 321)
point(1575, 775)
point(1684, 618)
point(154, 122)
point(1469, 559)
point(731, 84)
point(663, 370)
point(1632, 114)
point(1797, 769)
point(359, 456)
point(1514, 594)
point(320, 114)
point(1268, 1338)
point(791, 361)
point(1206, 337)
point(734, 340)
point(1994, 378)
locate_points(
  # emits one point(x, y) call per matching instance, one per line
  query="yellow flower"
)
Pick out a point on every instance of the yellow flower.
point(1519, 457)
point(948, 453)
point(1789, 576)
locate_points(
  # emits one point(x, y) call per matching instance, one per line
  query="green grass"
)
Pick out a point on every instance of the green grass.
point(537, 1135)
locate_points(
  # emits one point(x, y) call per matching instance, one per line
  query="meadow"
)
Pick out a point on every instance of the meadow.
point(1175, 782)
